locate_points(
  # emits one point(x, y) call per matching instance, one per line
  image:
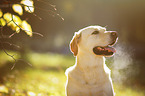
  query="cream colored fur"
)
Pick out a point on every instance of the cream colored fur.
point(89, 76)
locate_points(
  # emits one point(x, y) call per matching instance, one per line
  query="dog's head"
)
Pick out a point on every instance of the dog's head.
point(95, 40)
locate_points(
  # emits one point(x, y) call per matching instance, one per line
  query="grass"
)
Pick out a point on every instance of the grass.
point(46, 77)
point(49, 83)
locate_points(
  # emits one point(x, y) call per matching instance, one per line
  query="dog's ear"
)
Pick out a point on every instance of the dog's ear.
point(74, 43)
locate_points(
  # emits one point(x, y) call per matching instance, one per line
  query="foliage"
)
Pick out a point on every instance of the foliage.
point(14, 21)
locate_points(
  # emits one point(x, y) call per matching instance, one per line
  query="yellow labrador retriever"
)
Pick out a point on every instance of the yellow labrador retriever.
point(90, 76)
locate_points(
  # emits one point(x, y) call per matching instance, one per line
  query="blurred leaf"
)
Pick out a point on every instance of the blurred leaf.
point(27, 27)
point(29, 9)
point(15, 24)
point(28, 5)
point(19, 94)
point(17, 19)
point(3, 89)
point(2, 22)
point(1, 13)
point(12, 25)
point(17, 8)
point(31, 93)
point(7, 17)
point(17, 29)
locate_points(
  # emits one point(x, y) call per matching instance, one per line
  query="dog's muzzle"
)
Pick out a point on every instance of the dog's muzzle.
point(107, 50)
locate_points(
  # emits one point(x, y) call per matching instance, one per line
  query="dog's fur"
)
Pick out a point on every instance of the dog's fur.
point(89, 76)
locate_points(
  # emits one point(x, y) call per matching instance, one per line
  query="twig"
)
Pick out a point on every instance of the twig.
point(12, 56)
point(13, 66)
point(47, 3)
point(25, 62)
point(12, 34)
point(34, 13)
point(54, 13)
point(11, 44)
point(20, 60)
point(23, 29)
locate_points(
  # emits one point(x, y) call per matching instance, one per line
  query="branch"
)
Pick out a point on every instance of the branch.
point(12, 56)
point(47, 3)
point(34, 13)
point(11, 44)
point(21, 29)
point(20, 60)
point(53, 13)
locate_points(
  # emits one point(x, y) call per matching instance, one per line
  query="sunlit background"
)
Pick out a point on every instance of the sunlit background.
point(40, 72)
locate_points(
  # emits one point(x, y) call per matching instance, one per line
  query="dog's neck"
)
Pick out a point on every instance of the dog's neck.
point(93, 69)
point(92, 59)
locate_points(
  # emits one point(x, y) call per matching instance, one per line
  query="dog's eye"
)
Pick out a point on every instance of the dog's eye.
point(95, 32)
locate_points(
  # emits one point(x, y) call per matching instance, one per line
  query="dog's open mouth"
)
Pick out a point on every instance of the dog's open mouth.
point(105, 51)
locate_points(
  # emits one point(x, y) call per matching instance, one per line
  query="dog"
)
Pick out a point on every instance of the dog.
point(90, 76)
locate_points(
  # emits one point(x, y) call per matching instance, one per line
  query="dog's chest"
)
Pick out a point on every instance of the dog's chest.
point(94, 75)
point(92, 69)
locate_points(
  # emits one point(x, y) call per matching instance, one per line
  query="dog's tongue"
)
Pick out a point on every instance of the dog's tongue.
point(105, 51)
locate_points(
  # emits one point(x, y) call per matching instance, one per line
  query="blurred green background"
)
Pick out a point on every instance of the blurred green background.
point(50, 55)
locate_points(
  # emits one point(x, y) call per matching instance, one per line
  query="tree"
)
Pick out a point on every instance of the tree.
point(10, 16)
point(14, 21)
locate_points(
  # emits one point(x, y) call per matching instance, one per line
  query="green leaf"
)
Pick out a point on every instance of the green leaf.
point(7, 17)
point(17, 8)
point(27, 28)
point(2, 22)
point(13, 21)
point(17, 29)
point(17, 19)
point(28, 5)
point(1, 13)
point(14, 27)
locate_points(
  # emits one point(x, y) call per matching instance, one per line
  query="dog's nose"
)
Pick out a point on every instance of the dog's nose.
point(114, 34)
point(114, 37)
